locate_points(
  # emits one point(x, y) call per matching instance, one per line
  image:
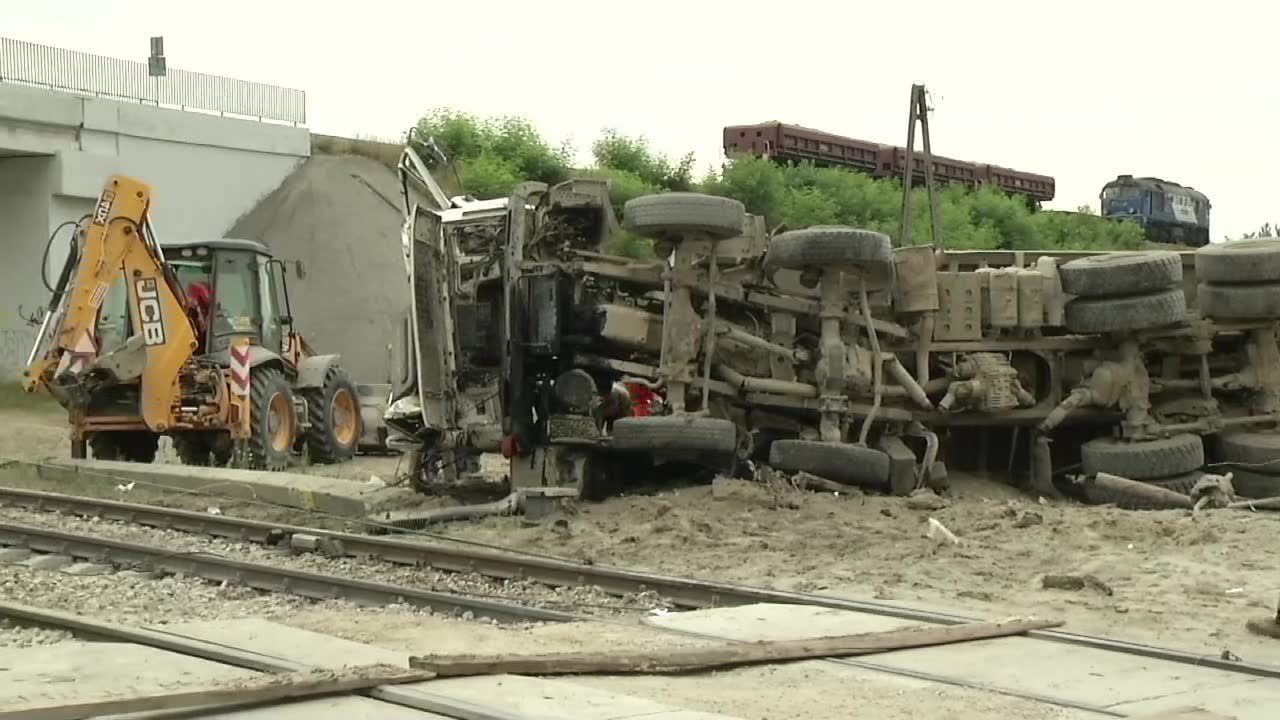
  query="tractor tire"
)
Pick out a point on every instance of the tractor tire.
point(1143, 460)
point(1258, 301)
point(1239, 261)
point(1254, 451)
point(137, 446)
point(1122, 314)
point(673, 216)
point(1178, 483)
point(677, 432)
point(1255, 485)
point(1121, 273)
point(826, 246)
point(849, 464)
point(333, 410)
point(273, 422)
point(193, 448)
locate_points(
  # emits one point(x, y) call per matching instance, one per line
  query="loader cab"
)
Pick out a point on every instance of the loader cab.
point(243, 290)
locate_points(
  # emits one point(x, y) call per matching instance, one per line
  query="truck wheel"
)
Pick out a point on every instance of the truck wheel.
point(1258, 449)
point(273, 423)
point(334, 412)
point(1239, 302)
point(677, 432)
point(1239, 261)
point(1178, 483)
point(125, 445)
point(1253, 484)
point(670, 216)
point(850, 464)
point(1120, 314)
point(1144, 459)
point(827, 246)
point(1121, 273)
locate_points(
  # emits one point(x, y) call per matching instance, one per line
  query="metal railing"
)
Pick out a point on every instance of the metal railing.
point(73, 71)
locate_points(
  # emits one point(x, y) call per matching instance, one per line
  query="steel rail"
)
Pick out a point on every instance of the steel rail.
point(683, 592)
point(263, 577)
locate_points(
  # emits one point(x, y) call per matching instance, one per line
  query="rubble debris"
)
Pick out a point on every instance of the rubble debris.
point(939, 533)
point(1028, 518)
point(1212, 491)
point(1075, 583)
point(809, 481)
point(926, 499)
point(1266, 627)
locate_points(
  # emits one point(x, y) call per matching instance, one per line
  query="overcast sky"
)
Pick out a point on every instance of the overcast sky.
point(1079, 90)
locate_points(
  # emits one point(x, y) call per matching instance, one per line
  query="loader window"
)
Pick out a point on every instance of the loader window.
point(235, 309)
point(113, 317)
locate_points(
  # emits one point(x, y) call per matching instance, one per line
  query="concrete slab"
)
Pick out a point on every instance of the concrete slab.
point(502, 694)
point(332, 708)
point(1016, 664)
point(49, 562)
point(13, 556)
point(308, 492)
point(772, 621)
point(81, 671)
point(85, 569)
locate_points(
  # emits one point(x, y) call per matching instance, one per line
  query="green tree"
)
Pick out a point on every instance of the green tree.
point(633, 155)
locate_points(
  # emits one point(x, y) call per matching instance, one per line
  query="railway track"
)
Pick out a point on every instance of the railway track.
point(685, 593)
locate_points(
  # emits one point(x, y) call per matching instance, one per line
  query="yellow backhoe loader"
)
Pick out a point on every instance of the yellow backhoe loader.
point(194, 341)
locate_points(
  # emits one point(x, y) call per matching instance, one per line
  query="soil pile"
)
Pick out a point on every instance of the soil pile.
point(341, 216)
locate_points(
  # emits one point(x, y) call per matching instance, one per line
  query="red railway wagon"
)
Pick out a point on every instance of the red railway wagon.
point(792, 143)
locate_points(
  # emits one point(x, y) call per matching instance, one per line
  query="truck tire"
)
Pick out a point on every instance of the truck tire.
point(1121, 273)
point(1239, 261)
point(1178, 483)
point(1121, 314)
point(1256, 451)
point(677, 432)
point(825, 246)
point(670, 216)
point(849, 464)
point(1256, 485)
point(138, 446)
point(1143, 459)
point(333, 410)
point(1258, 301)
point(273, 424)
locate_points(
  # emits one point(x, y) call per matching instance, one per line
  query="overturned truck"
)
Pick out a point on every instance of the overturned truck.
point(822, 350)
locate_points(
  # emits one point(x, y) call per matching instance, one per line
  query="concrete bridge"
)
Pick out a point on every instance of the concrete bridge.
point(60, 138)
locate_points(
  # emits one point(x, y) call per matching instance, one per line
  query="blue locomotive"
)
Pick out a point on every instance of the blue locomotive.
point(1168, 212)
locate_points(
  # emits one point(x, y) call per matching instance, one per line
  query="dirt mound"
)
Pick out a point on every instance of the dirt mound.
point(341, 216)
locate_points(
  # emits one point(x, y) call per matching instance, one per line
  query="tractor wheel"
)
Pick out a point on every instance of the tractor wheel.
point(127, 445)
point(1123, 314)
point(1259, 301)
point(193, 448)
point(1239, 261)
point(334, 411)
point(273, 423)
point(672, 216)
point(850, 464)
point(831, 246)
point(1143, 459)
point(1121, 273)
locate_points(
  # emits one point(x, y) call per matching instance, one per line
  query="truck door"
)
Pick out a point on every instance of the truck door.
point(431, 264)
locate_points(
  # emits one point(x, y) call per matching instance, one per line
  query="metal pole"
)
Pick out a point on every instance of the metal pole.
point(904, 237)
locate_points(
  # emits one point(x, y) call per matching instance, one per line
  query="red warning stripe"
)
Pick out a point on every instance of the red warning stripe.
point(240, 368)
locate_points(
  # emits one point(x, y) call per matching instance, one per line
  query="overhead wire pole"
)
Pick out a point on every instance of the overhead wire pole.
point(918, 112)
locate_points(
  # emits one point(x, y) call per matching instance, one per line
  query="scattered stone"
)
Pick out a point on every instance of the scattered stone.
point(939, 533)
point(49, 562)
point(976, 595)
point(87, 569)
point(721, 488)
point(1028, 518)
point(1075, 583)
point(887, 512)
point(925, 499)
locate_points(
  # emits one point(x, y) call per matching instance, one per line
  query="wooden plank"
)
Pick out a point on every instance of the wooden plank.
point(706, 658)
point(268, 689)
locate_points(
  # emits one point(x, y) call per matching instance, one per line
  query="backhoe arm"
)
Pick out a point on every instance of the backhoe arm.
point(117, 247)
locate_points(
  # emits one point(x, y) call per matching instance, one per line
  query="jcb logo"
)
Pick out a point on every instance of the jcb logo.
point(149, 311)
point(103, 211)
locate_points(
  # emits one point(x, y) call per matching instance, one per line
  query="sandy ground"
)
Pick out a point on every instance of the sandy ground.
point(1173, 580)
